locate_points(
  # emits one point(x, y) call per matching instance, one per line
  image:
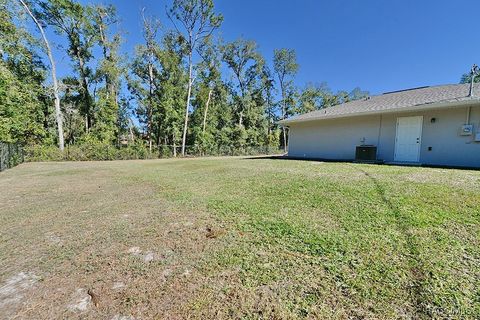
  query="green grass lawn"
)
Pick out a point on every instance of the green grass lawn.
point(238, 238)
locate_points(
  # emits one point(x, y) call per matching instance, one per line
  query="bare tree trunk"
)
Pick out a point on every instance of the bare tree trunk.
point(103, 41)
point(242, 102)
point(240, 118)
point(284, 131)
point(174, 146)
point(132, 137)
point(206, 109)
point(150, 106)
point(284, 107)
point(189, 92)
point(58, 111)
point(148, 33)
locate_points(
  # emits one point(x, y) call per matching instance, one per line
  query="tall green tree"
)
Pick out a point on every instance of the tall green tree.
point(150, 31)
point(209, 91)
point(23, 100)
point(247, 89)
point(157, 82)
point(357, 94)
point(315, 97)
point(145, 70)
point(73, 20)
point(109, 72)
point(195, 20)
point(74, 121)
point(271, 108)
point(53, 72)
point(210, 74)
point(285, 67)
point(311, 98)
point(170, 93)
point(243, 59)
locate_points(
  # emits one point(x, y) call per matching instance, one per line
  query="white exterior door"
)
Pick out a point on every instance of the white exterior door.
point(408, 139)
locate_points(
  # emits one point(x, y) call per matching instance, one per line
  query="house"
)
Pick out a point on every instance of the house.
point(438, 125)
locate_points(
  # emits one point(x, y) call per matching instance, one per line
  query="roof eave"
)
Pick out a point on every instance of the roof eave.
point(438, 105)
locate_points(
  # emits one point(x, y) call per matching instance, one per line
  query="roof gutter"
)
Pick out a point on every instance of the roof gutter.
point(429, 106)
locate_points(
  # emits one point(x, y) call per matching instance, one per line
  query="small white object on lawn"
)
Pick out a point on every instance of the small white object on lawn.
point(120, 317)
point(82, 301)
point(134, 250)
point(118, 285)
point(54, 239)
point(149, 256)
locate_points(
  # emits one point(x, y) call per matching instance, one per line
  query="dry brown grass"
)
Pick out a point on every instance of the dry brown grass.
point(72, 225)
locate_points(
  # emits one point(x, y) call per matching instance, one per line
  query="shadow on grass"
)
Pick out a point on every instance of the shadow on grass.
point(284, 157)
point(417, 289)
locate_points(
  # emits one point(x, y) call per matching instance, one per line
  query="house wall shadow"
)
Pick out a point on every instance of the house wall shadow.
point(286, 158)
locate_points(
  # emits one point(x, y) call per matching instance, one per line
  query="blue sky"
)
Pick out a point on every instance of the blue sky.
point(378, 45)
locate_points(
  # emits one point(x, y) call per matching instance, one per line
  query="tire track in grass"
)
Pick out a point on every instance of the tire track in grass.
point(417, 289)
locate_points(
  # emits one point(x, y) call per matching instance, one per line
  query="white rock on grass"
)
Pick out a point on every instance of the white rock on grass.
point(166, 274)
point(118, 285)
point(54, 239)
point(135, 251)
point(81, 301)
point(13, 290)
point(120, 317)
point(147, 257)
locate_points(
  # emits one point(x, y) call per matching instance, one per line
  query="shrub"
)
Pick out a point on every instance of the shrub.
point(97, 151)
point(86, 152)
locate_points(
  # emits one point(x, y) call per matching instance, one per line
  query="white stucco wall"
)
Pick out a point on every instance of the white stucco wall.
point(332, 139)
point(336, 139)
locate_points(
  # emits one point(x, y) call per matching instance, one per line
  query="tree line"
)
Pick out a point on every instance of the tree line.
point(182, 90)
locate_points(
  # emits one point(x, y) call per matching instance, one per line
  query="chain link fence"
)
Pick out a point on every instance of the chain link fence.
point(10, 155)
point(88, 152)
point(169, 151)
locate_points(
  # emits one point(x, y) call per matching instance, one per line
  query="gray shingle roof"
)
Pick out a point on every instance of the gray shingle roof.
point(390, 102)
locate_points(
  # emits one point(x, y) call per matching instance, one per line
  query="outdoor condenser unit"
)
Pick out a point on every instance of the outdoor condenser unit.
point(366, 153)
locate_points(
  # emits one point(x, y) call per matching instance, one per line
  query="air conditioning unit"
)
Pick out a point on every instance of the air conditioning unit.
point(366, 153)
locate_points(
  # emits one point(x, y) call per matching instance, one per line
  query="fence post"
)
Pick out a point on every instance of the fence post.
point(9, 155)
point(2, 152)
